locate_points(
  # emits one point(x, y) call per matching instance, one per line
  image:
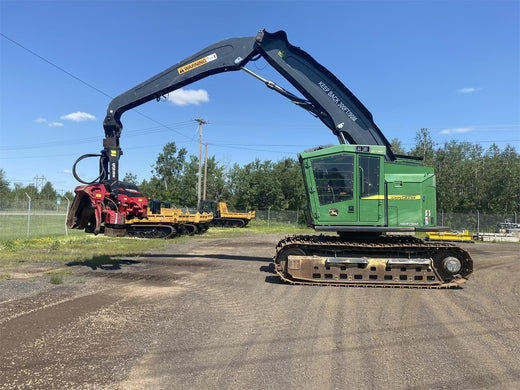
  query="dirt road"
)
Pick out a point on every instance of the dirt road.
point(209, 314)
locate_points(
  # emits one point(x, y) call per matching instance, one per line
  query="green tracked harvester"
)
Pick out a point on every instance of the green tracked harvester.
point(373, 205)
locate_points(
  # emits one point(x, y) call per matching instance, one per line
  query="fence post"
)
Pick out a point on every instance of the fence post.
point(28, 215)
point(478, 222)
point(269, 216)
point(442, 217)
point(66, 215)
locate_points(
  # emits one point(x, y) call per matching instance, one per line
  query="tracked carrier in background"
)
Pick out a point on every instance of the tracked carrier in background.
point(362, 198)
point(222, 217)
point(164, 221)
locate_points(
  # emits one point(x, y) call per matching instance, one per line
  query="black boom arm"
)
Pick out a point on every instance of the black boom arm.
point(325, 96)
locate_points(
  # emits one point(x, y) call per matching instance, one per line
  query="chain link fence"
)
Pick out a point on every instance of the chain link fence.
point(30, 218)
point(16, 226)
point(33, 218)
point(475, 221)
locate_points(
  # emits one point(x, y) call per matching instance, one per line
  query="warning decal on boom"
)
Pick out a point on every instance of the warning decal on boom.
point(196, 64)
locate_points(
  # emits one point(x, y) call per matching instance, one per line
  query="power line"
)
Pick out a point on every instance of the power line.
point(129, 133)
point(85, 83)
point(56, 66)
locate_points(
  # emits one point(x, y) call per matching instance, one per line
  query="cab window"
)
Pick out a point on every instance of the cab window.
point(334, 178)
point(370, 171)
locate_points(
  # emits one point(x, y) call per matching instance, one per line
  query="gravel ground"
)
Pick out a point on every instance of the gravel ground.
point(209, 313)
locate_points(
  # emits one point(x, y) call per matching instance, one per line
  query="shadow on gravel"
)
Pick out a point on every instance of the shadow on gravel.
point(212, 256)
point(268, 268)
point(103, 262)
point(273, 278)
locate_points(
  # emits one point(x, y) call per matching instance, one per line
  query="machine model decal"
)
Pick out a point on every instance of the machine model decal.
point(394, 197)
point(197, 63)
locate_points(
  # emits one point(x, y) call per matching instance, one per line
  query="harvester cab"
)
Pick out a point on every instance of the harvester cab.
point(351, 189)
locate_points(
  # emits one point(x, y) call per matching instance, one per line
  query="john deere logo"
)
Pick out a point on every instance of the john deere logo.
point(333, 212)
point(281, 53)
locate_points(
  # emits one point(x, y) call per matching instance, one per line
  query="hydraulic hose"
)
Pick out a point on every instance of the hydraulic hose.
point(101, 169)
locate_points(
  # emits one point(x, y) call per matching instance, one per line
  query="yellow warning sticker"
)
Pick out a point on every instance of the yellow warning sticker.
point(197, 63)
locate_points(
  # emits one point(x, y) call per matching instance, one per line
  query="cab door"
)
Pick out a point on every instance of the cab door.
point(331, 186)
point(371, 190)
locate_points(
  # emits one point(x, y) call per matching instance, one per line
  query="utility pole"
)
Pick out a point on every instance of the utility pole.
point(205, 171)
point(199, 187)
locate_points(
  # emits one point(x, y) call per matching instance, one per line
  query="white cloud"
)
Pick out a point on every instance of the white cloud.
point(457, 130)
point(468, 90)
point(184, 97)
point(46, 122)
point(78, 116)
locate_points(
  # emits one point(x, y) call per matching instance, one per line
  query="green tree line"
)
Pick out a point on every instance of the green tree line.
point(469, 178)
point(256, 185)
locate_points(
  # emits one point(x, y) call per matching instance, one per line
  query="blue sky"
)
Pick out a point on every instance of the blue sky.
point(449, 66)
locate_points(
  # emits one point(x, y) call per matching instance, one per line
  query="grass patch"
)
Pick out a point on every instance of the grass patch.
point(100, 250)
point(56, 275)
point(41, 225)
point(64, 249)
point(258, 227)
point(5, 276)
point(56, 279)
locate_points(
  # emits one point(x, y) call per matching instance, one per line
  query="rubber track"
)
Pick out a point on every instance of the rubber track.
point(226, 222)
point(150, 231)
point(385, 245)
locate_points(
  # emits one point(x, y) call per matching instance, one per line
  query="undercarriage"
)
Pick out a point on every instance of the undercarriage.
point(384, 261)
